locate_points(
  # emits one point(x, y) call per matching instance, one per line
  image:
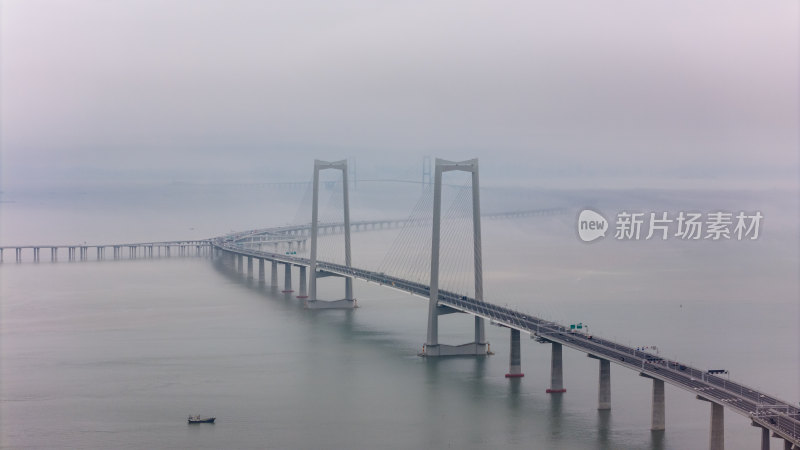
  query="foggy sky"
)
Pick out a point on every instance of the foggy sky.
point(205, 91)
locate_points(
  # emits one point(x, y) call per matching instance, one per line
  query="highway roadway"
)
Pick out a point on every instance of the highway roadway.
point(779, 416)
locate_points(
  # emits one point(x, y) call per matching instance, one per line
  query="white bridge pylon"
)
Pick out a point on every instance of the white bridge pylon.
point(348, 301)
point(432, 346)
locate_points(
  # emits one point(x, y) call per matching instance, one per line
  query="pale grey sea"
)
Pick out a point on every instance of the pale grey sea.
point(116, 354)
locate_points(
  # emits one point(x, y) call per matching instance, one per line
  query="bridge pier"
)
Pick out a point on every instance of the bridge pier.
point(261, 273)
point(658, 422)
point(716, 438)
point(273, 282)
point(604, 391)
point(36, 254)
point(515, 357)
point(764, 436)
point(19, 255)
point(556, 370)
point(287, 279)
point(348, 302)
point(303, 283)
point(239, 263)
point(604, 385)
point(53, 254)
point(249, 267)
point(432, 346)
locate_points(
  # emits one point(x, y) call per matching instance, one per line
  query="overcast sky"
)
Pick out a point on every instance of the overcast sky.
point(204, 91)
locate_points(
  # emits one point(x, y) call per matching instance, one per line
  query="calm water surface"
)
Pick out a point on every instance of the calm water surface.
point(116, 354)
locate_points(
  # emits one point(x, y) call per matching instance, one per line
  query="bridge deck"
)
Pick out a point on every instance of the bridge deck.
point(780, 417)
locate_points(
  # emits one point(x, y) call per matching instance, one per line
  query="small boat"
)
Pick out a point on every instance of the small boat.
point(198, 419)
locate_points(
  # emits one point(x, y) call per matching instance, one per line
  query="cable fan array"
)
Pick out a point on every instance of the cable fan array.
point(409, 256)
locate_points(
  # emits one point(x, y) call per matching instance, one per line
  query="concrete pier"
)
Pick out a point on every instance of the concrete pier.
point(764, 436)
point(261, 273)
point(515, 357)
point(604, 391)
point(348, 302)
point(239, 263)
point(717, 435)
point(479, 346)
point(658, 416)
point(249, 267)
point(556, 371)
point(303, 283)
point(274, 276)
point(287, 279)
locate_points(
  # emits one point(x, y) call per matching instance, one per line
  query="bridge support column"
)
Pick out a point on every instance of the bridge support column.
point(249, 267)
point(716, 438)
point(515, 357)
point(35, 254)
point(604, 391)
point(348, 302)
point(764, 436)
point(287, 279)
point(658, 417)
point(432, 346)
point(273, 282)
point(19, 255)
point(261, 273)
point(556, 371)
point(239, 263)
point(53, 254)
point(303, 284)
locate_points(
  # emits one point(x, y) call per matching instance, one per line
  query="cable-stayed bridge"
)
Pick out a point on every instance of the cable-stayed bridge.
point(278, 246)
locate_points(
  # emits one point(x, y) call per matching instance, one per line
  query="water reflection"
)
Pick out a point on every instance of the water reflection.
point(604, 428)
point(556, 401)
